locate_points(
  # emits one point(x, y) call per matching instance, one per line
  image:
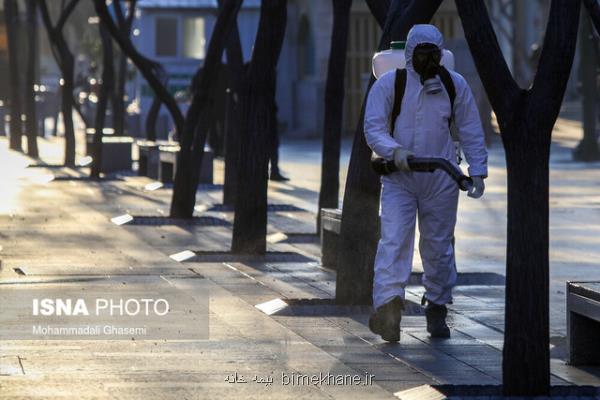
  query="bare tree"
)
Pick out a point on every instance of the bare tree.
point(118, 100)
point(360, 222)
point(197, 120)
point(124, 24)
point(258, 97)
point(11, 18)
point(593, 8)
point(237, 78)
point(334, 107)
point(526, 118)
point(31, 123)
point(379, 10)
point(587, 149)
point(66, 63)
point(149, 69)
point(152, 116)
point(106, 88)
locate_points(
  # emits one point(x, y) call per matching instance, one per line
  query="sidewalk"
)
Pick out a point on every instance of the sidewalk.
point(56, 229)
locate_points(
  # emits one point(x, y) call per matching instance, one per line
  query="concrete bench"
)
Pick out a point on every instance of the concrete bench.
point(89, 138)
point(148, 158)
point(331, 222)
point(168, 164)
point(116, 154)
point(583, 323)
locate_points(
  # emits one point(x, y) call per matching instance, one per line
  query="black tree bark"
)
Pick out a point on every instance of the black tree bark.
point(31, 124)
point(106, 88)
point(379, 9)
point(198, 118)
point(526, 119)
point(250, 224)
point(593, 8)
point(118, 98)
point(152, 116)
point(334, 108)
point(66, 64)
point(11, 18)
point(587, 149)
point(360, 221)
point(148, 68)
point(235, 62)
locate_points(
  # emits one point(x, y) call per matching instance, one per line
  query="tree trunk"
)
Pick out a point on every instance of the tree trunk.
point(68, 73)
point(152, 117)
point(334, 108)
point(66, 63)
point(587, 149)
point(31, 126)
point(235, 61)
point(118, 98)
point(197, 120)
point(153, 112)
point(526, 367)
point(108, 77)
point(11, 16)
point(593, 8)
point(526, 119)
point(360, 220)
point(148, 68)
point(379, 9)
point(250, 224)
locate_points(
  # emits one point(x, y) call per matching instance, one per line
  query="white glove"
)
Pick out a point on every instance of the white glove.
point(476, 191)
point(401, 157)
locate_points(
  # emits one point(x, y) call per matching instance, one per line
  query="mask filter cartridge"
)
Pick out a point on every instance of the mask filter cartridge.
point(432, 85)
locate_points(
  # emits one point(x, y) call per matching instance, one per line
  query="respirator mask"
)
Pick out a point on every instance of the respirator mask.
point(426, 62)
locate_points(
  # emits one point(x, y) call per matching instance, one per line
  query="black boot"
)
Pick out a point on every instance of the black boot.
point(276, 176)
point(386, 320)
point(436, 320)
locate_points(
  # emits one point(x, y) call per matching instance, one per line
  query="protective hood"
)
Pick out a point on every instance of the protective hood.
point(418, 34)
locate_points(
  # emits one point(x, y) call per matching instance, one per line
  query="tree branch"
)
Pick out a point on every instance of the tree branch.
point(499, 84)
point(119, 12)
point(52, 34)
point(149, 69)
point(379, 9)
point(46, 19)
point(411, 13)
point(193, 135)
point(593, 8)
point(65, 14)
point(124, 23)
point(557, 55)
point(131, 15)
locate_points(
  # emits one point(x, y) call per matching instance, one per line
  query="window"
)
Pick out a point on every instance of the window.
point(166, 37)
point(194, 41)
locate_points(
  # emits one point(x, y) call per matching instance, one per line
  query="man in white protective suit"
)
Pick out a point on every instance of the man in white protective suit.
point(420, 130)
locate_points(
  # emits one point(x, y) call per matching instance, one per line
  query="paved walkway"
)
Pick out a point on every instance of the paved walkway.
point(270, 316)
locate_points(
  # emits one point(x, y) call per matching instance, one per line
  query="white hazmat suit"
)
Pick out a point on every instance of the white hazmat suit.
point(421, 127)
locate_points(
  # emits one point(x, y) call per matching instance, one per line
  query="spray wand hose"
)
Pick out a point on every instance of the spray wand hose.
point(430, 164)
